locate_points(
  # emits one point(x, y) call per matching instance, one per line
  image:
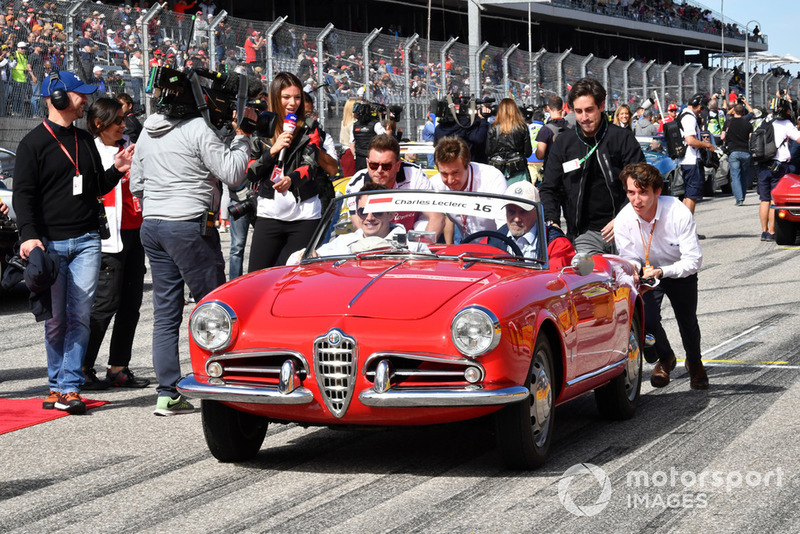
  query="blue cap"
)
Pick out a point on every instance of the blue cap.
point(68, 81)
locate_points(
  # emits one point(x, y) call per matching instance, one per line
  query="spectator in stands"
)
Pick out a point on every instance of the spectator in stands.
point(251, 45)
point(36, 74)
point(99, 81)
point(20, 87)
point(137, 74)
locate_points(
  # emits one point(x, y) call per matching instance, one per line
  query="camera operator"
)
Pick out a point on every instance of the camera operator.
point(771, 172)
point(466, 121)
point(366, 126)
point(177, 169)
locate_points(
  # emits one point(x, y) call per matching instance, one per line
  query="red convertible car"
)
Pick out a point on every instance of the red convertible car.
point(786, 203)
point(380, 325)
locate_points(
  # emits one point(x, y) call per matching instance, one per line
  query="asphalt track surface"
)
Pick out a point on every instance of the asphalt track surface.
point(724, 460)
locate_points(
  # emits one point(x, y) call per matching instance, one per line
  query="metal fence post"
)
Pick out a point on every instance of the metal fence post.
point(407, 77)
point(695, 74)
point(711, 80)
point(322, 103)
point(506, 55)
point(765, 88)
point(585, 62)
point(605, 67)
point(560, 70)
point(151, 13)
point(680, 85)
point(644, 78)
point(269, 51)
point(625, 85)
point(535, 82)
point(443, 65)
point(479, 75)
point(365, 52)
point(71, 13)
point(212, 40)
point(663, 77)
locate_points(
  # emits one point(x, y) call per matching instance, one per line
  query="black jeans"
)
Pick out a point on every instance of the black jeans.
point(178, 254)
point(119, 292)
point(275, 240)
point(682, 293)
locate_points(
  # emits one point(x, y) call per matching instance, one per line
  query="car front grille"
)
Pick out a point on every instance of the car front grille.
point(335, 364)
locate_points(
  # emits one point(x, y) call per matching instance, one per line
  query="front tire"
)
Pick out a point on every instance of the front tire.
point(231, 435)
point(618, 399)
point(524, 429)
point(785, 231)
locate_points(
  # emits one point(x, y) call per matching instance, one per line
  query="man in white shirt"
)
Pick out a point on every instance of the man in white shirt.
point(457, 173)
point(770, 173)
point(384, 167)
point(658, 235)
point(692, 175)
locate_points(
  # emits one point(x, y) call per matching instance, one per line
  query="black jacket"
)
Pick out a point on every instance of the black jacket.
point(505, 148)
point(302, 161)
point(617, 148)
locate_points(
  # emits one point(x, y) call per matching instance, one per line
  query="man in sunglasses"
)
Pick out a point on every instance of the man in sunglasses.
point(374, 230)
point(385, 168)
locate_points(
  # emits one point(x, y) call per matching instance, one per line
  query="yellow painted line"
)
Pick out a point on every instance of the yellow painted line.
point(742, 362)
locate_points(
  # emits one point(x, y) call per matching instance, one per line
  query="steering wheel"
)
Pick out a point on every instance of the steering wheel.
point(492, 233)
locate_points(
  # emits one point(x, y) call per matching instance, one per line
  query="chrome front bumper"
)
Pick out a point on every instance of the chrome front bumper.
point(395, 397)
point(194, 388)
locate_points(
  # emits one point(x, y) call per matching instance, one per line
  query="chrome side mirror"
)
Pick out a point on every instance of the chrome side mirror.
point(582, 263)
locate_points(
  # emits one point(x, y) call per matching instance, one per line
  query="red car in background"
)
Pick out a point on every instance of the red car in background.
point(786, 203)
point(401, 330)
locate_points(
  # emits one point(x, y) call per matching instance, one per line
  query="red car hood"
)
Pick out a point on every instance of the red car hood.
point(787, 191)
point(406, 291)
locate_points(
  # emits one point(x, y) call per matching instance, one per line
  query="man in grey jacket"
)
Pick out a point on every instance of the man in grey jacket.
point(178, 172)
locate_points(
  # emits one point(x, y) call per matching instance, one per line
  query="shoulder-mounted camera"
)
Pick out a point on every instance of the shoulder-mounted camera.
point(460, 109)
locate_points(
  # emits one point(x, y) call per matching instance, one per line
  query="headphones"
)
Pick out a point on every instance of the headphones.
point(58, 97)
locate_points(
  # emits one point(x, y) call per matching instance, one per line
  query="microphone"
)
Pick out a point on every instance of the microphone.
point(289, 125)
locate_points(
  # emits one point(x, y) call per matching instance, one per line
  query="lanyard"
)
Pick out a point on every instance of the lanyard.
point(64, 149)
point(649, 242)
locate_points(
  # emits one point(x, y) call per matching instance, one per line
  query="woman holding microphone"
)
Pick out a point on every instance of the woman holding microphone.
point(285, 173)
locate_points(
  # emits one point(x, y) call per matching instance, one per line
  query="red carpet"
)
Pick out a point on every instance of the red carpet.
point(21, 413)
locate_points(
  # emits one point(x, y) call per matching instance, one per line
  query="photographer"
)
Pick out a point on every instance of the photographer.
point(177, 169)
point(509, 143)
point(771, 172)
point(366, 126)
point(285, 172)
point(464, 121)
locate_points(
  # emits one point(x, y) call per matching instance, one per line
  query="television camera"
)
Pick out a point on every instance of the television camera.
point(461, 110)
point(215, 96)
point(368, 111)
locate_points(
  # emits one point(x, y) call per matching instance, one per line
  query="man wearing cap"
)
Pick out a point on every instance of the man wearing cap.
point(251, 46)
point(137, 74)
point(20, 88)
point(522, 227)
point(57, 181)
point(692, 174)
point(672, 114)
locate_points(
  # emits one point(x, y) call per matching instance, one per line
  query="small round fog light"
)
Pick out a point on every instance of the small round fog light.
point(472, 374)
point(214, 369)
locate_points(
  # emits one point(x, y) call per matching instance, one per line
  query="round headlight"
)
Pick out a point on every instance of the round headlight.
point(475, 331)
point(212, 326)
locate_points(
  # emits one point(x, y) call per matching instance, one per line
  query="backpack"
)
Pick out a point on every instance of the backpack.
point(673, 137)
point(762, 146)
point(556, 128)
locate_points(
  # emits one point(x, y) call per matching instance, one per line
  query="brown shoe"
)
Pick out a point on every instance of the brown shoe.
point(50, 401)
point(698, 379)
point(660, 376)
point(669, 363)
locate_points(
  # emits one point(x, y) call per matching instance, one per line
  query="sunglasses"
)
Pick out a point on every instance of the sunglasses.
point(362, 215)
point(117, 121)
point(373, 166)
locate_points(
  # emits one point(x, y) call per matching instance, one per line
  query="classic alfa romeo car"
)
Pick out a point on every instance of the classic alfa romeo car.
point(379, 325)
point(786, 203)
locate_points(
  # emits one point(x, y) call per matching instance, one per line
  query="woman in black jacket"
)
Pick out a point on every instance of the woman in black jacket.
point(288, 207)
point(508, 143)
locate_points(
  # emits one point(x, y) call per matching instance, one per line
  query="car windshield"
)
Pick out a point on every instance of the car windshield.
point(653, 145)
point(394, 222)
point(418, 153)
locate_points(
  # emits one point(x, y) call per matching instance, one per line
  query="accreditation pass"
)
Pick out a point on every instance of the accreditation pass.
point(571, 165)
point(77, 185)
